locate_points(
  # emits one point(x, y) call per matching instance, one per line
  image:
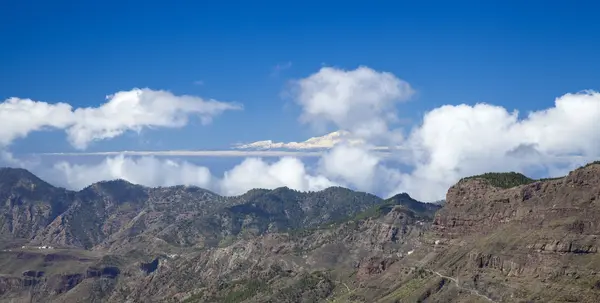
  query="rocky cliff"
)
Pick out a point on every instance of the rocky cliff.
point(533, 242)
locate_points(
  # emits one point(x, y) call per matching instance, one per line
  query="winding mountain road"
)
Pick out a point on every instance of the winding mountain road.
point(472, 291)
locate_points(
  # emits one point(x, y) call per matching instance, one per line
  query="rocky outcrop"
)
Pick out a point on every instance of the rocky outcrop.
point(474, 206)
point(371, 266)
point(540, 233)
point(565, 246)
point(508, 267)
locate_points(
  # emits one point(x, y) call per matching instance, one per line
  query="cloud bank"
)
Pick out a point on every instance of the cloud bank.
point(450, 142)
point(151, 171)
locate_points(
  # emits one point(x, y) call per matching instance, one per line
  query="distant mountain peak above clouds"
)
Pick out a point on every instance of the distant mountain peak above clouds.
point(323, 142)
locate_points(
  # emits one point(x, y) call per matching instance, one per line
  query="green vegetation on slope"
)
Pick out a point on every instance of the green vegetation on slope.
point(313, 287)
point(593, 163)
point(503, 180)
point(513, 179)
point(248, 290)
point(401, 201)
point(375, 211)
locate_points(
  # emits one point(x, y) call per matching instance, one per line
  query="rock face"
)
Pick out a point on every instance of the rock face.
point(33, 275)
point(543, 234)
point(571, 203)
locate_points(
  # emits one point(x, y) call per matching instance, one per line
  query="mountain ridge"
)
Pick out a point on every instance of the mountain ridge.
point(168, 212)
point(14, 171)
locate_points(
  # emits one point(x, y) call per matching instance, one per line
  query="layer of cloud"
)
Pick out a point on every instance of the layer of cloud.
point(152, 171)
point(195, 153)
point(322, 142)
point(124, 111)
point(148, 171)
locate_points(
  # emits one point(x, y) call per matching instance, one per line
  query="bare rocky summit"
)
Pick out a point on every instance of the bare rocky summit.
point(499, 237)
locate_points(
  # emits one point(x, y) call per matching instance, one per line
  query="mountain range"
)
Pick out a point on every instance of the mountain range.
point(497, 237)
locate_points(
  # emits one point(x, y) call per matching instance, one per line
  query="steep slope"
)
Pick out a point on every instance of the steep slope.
point(536, 242)
point(28, 204)
point(117, 215)
point(202, 219)
point(290, 209)
point(308, 265)
point(94, 213)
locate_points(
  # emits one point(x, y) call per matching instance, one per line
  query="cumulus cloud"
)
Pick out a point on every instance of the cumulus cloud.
point(362, 101)
point(451, 142)
point(21, 116)
point(462, 140)
point(124, 111)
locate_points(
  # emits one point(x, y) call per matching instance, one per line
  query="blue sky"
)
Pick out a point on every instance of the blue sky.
point(515, 54)
point(518, 54)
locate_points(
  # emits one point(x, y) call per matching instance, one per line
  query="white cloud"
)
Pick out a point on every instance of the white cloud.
point(361, 168)
point(21, 116)
point(151, 171)
point(353, 165)
point(256, 173)
point(6, 158)
point(147, 171)
point(362, 101)
point(458, 141)
point(322, 142)
point(124, 111)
